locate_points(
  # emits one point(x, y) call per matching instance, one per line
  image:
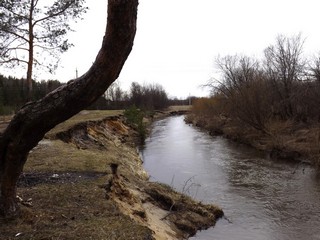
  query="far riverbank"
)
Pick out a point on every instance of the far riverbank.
point(285, 140)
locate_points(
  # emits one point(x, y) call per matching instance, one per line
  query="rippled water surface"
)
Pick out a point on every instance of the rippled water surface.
point(261, 198)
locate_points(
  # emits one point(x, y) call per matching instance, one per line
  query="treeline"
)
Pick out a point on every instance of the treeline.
point(13, 95)
point(282, 86)
point(147, 97)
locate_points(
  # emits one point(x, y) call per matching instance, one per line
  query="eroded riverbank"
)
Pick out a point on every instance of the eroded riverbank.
point(69, 189)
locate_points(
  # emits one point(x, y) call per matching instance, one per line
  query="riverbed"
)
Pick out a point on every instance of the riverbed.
point(262, 198)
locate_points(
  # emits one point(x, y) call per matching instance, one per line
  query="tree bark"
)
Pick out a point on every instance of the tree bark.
point(30, 57)
point(34, 119)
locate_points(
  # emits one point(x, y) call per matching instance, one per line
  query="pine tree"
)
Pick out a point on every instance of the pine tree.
point(34, 34)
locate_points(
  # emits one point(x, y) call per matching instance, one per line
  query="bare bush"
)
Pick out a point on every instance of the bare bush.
point(246, 91)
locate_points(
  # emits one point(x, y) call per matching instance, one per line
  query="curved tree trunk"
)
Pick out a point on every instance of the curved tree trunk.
point(33, 120)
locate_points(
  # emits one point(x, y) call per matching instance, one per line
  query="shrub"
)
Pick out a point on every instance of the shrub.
point(134, 117)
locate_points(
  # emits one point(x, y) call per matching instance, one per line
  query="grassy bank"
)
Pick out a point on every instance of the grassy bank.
point(85, 180)
point(286, 140)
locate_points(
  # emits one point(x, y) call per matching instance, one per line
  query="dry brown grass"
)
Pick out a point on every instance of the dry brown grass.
point(74, 207)
point(287, 139)
point(57, 156)
point(84, 116)
point(71, 211)
point(63, 189)
point(179, 108)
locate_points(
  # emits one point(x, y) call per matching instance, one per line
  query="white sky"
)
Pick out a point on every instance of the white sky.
point(178, 40)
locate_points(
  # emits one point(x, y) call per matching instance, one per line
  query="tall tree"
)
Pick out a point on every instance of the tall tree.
point(34, 34)
point(285, 67)
point(31, 123)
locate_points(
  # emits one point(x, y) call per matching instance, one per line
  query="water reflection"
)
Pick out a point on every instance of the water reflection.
point(262, 199)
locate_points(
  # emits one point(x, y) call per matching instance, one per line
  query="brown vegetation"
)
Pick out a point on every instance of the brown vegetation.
point(35, 119)
point(272, 104)
point(70, 188)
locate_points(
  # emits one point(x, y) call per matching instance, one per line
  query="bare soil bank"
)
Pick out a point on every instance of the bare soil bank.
point(85, 180)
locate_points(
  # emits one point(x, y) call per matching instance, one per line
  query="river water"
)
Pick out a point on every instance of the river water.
point(262, 199)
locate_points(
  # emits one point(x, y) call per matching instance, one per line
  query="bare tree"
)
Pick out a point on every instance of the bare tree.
point(306, 95)
point(136, 93)
point(114, 92)
point(285, 66)
point(30, 124)
point(244, 87)
point(314, 68)
point(34, 35)
point(237, 72)
point(148, 96)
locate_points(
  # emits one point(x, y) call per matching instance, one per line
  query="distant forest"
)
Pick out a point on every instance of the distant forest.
point(13, 95)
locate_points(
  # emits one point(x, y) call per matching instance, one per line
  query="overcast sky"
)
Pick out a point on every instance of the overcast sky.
point(178, 40)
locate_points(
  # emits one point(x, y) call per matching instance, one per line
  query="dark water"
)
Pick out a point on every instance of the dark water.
point(262, 199)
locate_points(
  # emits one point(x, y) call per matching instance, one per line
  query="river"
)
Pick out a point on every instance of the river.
point(262, 198)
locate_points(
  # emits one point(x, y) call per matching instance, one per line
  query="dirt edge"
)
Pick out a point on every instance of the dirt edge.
point(169, 214)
